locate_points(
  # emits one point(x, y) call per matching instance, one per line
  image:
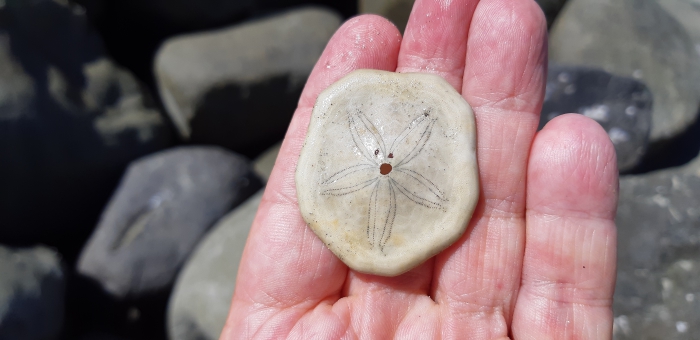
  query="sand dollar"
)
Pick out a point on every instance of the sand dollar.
point(387, 176)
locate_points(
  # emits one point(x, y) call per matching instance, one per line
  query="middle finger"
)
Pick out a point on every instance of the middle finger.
point(435, 40)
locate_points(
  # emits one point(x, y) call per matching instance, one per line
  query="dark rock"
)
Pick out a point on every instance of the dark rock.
point(202, 296)
point(198, 14)
point(621, 105)
point(162, 207)
point(92, 313)
point(70, 121)
point(101, 336)
point(182, 13)
point(32, 290)
point(634, 38)
point(238, 87)
point(658, 278)
point(150, 22)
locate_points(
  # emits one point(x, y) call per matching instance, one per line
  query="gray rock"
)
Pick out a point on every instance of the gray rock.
point(634, 38)
point(238, 87)
point(687, 12)
point(163, 206)
point(658, 277)
point(32, 288)
point(621, 105)
point(71, 120)
point(397, 11)
point(202, 296)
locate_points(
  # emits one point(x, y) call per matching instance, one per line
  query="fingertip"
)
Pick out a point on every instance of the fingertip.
point(568, 275)
point(582, 133)
point(506, 58)
point(378, 19)
point(435, 39)
point(366, 41)
point(573, 165)
point(365, 28)
point(535, 10)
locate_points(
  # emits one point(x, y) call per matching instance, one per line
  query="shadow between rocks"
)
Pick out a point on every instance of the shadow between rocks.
point(90, 310)
point(672, 153)
point(132, 35)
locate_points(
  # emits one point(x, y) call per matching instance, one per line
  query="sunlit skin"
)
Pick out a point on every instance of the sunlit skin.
point(538, 258)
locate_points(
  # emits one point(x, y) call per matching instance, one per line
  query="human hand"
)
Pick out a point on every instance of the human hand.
point(538, 258)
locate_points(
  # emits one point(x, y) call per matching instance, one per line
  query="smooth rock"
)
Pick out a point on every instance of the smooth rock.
point(387, 176)
point(658, 277)
point(238, 87)
point(71, 120)
point(264, 164)
point(163, 206)
point(621, 105)
point(687, 12)
point(397, 11)
point(202, 296)
point(634, 38)
point(32, 290)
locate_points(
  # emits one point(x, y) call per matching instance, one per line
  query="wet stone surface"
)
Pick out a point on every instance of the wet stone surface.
point(657, 295)
point(387, 177)
point(621, 105)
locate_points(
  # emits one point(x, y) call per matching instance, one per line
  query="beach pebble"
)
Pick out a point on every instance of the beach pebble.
point(637, 39)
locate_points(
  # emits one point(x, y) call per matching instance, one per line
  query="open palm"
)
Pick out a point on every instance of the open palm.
point(538, 258)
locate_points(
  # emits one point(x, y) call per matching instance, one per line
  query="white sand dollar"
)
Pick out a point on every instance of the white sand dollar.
point(387, 176)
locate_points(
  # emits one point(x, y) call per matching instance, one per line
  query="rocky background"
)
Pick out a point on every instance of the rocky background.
point(136, 137)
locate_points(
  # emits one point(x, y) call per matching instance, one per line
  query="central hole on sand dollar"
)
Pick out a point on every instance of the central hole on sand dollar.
point(385, 168)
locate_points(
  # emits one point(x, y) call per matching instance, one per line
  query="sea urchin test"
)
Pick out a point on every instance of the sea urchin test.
point(387, 177)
